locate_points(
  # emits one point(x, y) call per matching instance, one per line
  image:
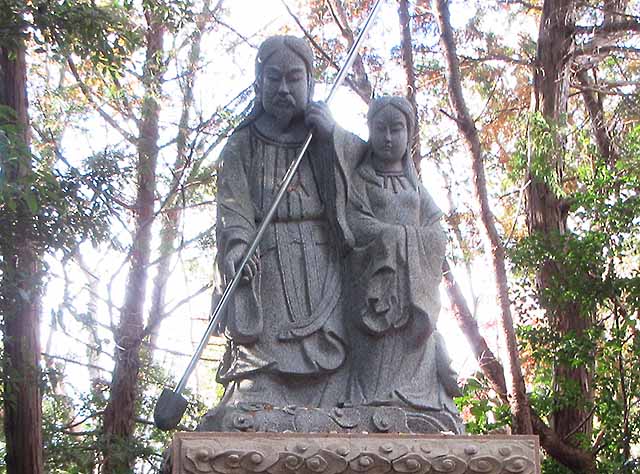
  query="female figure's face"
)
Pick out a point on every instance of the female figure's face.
point(285, 87)
point(388, 136)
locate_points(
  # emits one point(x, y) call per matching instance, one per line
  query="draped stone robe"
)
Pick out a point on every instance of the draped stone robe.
point(397, 247)
point(285, 331)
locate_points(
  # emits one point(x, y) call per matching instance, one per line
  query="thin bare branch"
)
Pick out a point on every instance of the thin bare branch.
point(517, 389)
point(366, 97)
point(594, 107)
point(406, 48)
point(72, 361)
point(106, 116)
point(630, 26)
point(527, 5)
point(497, 57)
point(179, 354)
point(600, 50)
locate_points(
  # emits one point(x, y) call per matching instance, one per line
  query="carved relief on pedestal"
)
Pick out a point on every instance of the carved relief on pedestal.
point(223, 453)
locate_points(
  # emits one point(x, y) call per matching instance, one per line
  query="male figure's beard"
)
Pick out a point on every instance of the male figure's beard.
point(286, 115)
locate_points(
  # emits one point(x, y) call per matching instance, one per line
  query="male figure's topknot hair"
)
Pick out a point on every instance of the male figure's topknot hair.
point(274, 44)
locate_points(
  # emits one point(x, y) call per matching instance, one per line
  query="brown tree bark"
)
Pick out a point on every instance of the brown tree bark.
point(21, 279)
point(119, 416)
point(593, 103)
point(516, 388)
point(406, 48)
point(576, 459)
point(547, 212)
point(489, 364)
point(360, 79)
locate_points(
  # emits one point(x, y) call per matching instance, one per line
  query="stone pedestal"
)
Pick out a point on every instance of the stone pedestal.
point(314, 453)
point(247, 417)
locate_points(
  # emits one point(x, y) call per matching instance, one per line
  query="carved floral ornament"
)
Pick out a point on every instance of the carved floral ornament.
point(280, 454)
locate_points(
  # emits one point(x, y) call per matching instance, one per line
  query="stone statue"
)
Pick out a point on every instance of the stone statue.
point(299, 334)
point(394, 269)
point(285, 327)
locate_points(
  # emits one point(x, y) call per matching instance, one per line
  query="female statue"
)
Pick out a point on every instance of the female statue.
point(397, 248)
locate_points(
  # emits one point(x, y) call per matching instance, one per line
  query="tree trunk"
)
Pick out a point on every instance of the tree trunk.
point(579, 460)
point(547, 213)
point(119, 416)
point(173, 215)
point(20, 287)
point(593, 103)
point(490, 366)
point(517, 389)
point(406, 48)
point(360, 79)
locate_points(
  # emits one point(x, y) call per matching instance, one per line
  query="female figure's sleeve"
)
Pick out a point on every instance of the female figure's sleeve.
point(375, 261)
point(433, 238)
point(348, 150)
point(397, 268)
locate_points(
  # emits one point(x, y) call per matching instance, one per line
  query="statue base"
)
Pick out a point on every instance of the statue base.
point(247, 417)
point(333, 453)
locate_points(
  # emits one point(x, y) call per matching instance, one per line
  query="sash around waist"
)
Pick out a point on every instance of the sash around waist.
point(296, 232)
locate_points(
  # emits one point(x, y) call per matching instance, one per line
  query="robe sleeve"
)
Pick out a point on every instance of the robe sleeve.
point(236, 214)
point(235, 228)
point(432, 236)
point(396, 268)
point(349, 149)
point(375, 261)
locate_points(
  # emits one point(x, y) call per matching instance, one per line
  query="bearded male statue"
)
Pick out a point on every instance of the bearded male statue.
point(285, 332)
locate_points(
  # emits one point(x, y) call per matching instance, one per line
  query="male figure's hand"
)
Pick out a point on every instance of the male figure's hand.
point(233, 260)
point(318, 116)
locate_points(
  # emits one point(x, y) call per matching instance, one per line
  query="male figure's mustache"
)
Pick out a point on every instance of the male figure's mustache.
point(285, 101)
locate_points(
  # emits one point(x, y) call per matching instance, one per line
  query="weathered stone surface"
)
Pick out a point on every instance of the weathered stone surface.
point(285, 453)
point(284, 322)
point(339, 305)
point(357, 419)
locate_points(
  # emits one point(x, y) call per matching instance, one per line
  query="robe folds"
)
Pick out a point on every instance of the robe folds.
point(394, 269)
point(284, 327)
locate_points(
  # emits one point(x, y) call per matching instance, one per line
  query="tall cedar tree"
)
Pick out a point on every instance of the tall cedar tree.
point(20, 285)
point(119, 415)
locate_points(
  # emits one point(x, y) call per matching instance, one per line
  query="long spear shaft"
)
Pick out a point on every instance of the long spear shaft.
point(286, 181)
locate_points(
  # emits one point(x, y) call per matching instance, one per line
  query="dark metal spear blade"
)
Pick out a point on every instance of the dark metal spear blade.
point(169, 410)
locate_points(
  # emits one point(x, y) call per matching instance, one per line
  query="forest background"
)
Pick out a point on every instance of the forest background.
point(112, 114)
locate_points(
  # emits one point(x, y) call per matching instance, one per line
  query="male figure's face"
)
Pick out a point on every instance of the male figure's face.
point(388, 135)
point(285, 89)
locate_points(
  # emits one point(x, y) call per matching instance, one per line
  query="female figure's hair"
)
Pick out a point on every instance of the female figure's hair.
point(405, 107)
point(268, 48)
point(400, 103)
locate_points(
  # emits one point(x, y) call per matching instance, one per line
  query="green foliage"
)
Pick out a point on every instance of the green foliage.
point(551, 466)
point(63, 208)
point(173, 14)
point(539, 153)
point(600, 258)
point(66, 204)
point(102, 32)
point(482, 412)
point(72, 426)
